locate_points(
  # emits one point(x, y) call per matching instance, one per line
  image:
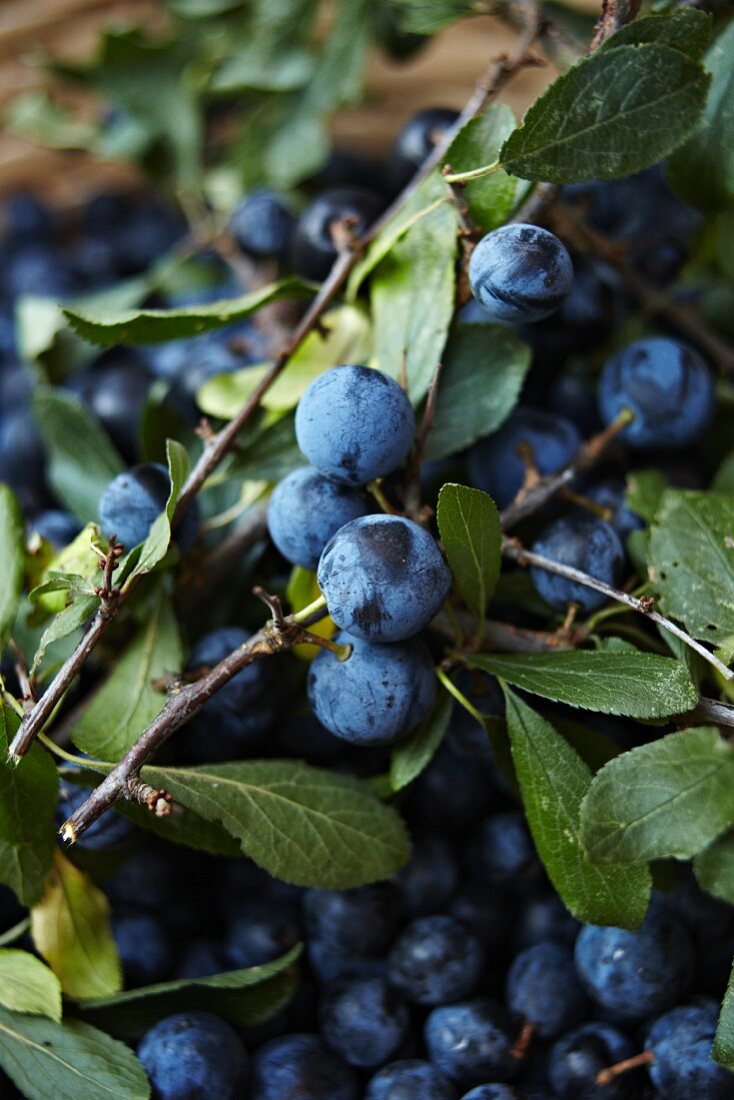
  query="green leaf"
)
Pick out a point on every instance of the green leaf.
point(71, 929)
point(127, 701)
point(723, 1048)
point(430, 16)
point(38, 117)
point(150, 79)
point(691, 562)
point(714, 868)
point(410, 757)
point(12, 560)
point(612, 114)
point(484, 369)
point(469, 524)
point(635, 685)
point(184, 827)
point(154, 326)
point(301, 824)
point(244, 997)
point(688, 31)
point(645, 490)
point(553, 781)
point(65, 623)
point(670, 798)
point(69, 1061)
point(345, 338)
point(724, 479)
point(27, 806)
point(81, 459)
point(412, 294)
point(702, 170)
point(159, 536)
point(491, 199)
point(426, 198)
point(26, 985)
point(270, 454)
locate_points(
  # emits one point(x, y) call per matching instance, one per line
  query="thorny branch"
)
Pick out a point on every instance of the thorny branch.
point(216, 448)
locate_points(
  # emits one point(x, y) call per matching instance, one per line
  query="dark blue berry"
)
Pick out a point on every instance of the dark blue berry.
point(384, 578)
point(682, 1066)
point(116, 391)
point(583, 542)
point(363, 1020)
point(520, 273)
point(194, 1056)
point(361, 920)
point(429, 878)
point(636, 974)
point(355, 424)
point(575, 1060)
point(504, 851)
point(417, 139)
point(261, 931)
point(543, 989)
point(201, 958)
point(133, 501)
point(496, 464)
point(262, 224)
point(300, 1067)
point(314, 247)
point(411, 1079)
point(610, 494)
point(306, 510)
point(57, 527)
point(668, 387)
point(471, 1041)
point(435, 960)
point(145, 948)
point(22, 457)
point(375, 696)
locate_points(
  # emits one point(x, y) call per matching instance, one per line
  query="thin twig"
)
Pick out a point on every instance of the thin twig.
point(532, 498)
point(124, 782)
point(614, 15)
point(644, 604)
point(709, 710)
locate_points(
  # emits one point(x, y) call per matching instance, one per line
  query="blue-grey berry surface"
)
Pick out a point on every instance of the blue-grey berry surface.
point(520, 273)
point(306, 509)
point(377, 694)
point(384, 578)
point(355, 424)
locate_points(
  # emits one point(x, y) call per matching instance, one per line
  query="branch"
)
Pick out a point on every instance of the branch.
point(574, 228)
point(123, 783)
point(710, 710)
point(532, 499)
point(644, 605)
point(614, 15)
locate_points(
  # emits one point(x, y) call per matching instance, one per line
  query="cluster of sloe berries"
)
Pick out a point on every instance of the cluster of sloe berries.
point(463, 977)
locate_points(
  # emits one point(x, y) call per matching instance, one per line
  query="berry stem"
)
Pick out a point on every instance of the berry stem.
point(607, 1076)
point(474, 174)
point(523, 1041)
